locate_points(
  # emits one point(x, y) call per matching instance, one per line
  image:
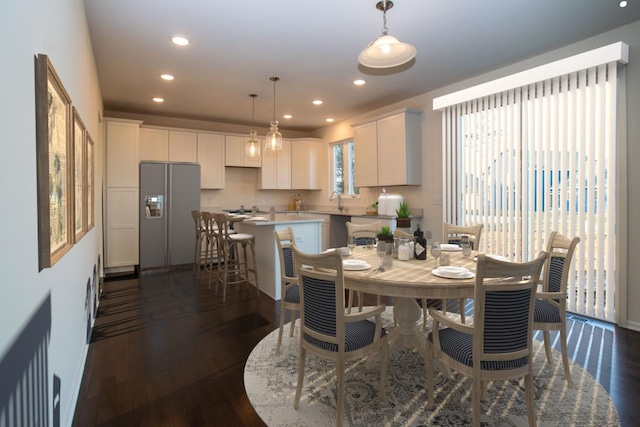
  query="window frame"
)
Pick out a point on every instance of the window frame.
point(350, 190)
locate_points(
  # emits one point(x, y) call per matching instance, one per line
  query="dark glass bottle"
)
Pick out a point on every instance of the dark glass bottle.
point(421, 244)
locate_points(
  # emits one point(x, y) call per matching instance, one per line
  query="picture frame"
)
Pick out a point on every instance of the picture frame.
point(54, 164)
point(90, 181)
point(79, 177)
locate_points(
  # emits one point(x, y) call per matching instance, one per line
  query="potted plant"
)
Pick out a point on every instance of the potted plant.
point(385, 234)
point(372, 209)
point(403, 212)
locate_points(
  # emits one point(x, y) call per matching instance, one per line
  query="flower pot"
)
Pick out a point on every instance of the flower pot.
point(403, 222)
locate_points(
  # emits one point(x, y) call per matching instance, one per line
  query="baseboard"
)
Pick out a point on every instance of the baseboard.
point(77, 383)
point(634, 326)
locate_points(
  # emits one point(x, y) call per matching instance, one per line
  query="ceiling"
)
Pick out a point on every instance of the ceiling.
point(313, 45)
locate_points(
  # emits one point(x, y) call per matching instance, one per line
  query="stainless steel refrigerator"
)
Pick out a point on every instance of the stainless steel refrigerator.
point(168, 194)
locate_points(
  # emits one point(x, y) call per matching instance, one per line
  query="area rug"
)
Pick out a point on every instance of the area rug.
point(270, 382)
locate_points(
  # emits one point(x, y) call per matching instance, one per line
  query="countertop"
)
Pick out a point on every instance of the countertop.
point(281, 219)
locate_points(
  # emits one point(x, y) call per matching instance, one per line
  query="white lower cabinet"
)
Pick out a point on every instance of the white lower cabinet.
point(121, 239)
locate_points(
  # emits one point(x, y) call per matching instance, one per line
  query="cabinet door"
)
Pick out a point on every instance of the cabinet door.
point(121, 240)
point(283, 166)
point(251, 162)
point(275, 172)
point(183, 146)
point(122, 154)
point(268, 169)
point(305, 164)
point(392, 150)
point(365, 142)
point(211, 159)
point(234, 150)
point(154, 144)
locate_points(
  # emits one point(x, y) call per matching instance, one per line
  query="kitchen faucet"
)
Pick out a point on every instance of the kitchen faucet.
point(340, 207)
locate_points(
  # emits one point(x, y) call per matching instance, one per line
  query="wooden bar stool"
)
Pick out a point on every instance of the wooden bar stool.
point(199, 253)
point(233, 266)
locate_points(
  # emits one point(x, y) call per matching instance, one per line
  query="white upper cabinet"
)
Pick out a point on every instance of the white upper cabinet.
point(157, 144)
point(183, 146)
point(154, 144)
point(211, 159)
point(306, 164)
point(275, 173)
point(122, 152)
point(388, 150)
point(235, 153)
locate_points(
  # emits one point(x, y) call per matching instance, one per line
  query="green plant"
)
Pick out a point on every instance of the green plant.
point(403, 210)
point(373, 205)
point(385, 231)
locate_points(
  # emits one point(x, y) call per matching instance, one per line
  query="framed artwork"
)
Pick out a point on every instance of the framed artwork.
point(90, 180)
point(54, 164)
point(79, 177)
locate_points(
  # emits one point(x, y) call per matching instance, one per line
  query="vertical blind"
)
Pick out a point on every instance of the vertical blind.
point(536, 159)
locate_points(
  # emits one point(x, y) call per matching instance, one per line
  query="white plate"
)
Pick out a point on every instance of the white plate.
point(453, 273)
point(359, 267)
point(498, 257)
point(353, 262)
point(448, 247)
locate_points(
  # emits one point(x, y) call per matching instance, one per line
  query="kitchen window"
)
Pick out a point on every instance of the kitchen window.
point(343, 168)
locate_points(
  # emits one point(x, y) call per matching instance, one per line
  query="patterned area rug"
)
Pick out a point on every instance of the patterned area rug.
point(270, 382)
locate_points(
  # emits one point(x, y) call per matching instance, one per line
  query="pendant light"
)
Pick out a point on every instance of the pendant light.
point(252, 146)
point(274, 137)
point(386, 51)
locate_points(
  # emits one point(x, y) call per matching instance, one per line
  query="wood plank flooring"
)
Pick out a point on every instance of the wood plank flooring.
point(165, 351)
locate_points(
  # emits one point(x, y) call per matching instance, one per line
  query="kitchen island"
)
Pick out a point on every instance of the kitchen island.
point(308, 234)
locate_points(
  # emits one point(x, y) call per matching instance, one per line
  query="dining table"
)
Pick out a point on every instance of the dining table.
point(407, 282)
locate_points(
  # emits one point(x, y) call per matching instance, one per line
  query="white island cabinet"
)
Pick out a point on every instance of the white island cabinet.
point(308, 234)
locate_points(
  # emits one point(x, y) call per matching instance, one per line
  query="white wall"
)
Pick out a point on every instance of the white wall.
point(432, 147)
point(59, 30)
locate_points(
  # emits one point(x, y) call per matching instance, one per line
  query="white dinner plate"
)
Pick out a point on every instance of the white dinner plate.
point(353, 262)
point(449, 247)
point(358, 267)
point(453, 273)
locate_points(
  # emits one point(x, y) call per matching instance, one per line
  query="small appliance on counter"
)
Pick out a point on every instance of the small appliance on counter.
point(388, 203)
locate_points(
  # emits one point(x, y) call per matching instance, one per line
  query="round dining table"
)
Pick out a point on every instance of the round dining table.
point(407, 281)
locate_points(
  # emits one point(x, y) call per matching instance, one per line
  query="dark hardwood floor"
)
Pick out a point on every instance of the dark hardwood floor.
point(165, 351)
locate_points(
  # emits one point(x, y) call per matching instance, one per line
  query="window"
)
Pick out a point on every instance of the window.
point(343, 168)
point(536, 159)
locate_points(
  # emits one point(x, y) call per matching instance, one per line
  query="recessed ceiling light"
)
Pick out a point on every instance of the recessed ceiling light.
point(329, 119)
point(167, 77)
point(359, 82)
point(317, 102)
point(156, 99)
point(623, 4)
point(287, 116)
point(180, 41)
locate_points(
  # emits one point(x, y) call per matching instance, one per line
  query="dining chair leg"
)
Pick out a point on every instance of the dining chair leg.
point(254, 267)
point(475, 400)
point(384, 361)
point(462, 309)
point(547, 346)
point(301, 357)
point(340, 397)
point(282, 310)
point(531, 409)
point(294, 316)
point(565, 357)
point(428, 358)
point(424, 314)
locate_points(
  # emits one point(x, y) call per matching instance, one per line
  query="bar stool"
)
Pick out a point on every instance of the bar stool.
point(199, 253)
point(233, 268)
point(210, 241)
